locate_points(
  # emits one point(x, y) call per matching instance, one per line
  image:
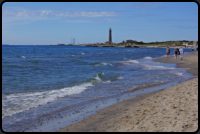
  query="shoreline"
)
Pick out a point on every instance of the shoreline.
point(192, 62)
point(143, 113)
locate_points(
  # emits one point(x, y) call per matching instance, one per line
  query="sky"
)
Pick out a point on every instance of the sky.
point(50, 23)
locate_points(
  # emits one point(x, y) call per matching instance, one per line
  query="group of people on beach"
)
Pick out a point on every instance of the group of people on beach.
point(176, 52)
point(196, 48)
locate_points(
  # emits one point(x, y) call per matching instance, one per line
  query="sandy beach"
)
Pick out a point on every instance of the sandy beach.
point(173, 109)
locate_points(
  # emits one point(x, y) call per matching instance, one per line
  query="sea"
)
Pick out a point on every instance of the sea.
point(46, 88)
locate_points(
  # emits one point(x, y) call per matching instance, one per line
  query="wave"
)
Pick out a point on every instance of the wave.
point(179, 74)
point(21, 56)
point(149, 58)
point(150, 67)
point(120, 77)
point(131, 61)
point(116, 78)
point(97, 79)
point(101, 64)
point(146, 66)
point(25, 101)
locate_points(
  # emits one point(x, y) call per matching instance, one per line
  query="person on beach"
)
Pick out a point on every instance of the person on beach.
point(192, 48)
point(167, 51)
point(181, 52)
point(175, 53)
point(178, 51)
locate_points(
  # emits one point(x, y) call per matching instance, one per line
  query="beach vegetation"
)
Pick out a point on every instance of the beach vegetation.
point(158, 44)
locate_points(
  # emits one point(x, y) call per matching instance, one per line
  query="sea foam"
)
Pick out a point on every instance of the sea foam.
point(103, 64)
point(120, 77)
point(150, 67)
point(25, 101)
point(149, 58)
point(179, 74)
point(132, 61)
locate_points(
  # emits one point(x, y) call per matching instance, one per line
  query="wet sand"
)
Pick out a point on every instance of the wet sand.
point(188, 61)
point(173, 109)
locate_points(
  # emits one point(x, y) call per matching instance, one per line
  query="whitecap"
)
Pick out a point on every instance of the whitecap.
point(149, 58)
point(120, 77)
point(107, 81)
point(23, 57)
point(163, 56)
point(150, 67)
point(24, 101)
point(103, 64)
point(133, 61)
point(179, 74)
point(98, 78)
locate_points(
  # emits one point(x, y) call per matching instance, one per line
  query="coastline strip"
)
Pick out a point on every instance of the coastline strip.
point(173, 109)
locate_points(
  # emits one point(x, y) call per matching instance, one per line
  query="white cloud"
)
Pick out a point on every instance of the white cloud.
point(26, 12)
point(88, 14)
point(7, 13)
point(18, 16)
point(45, 13)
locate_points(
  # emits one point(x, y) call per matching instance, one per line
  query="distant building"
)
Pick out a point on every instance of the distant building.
point(192, 44)
point(184, 43)
point(73, 41)
point(131, 41)
point(110, 37)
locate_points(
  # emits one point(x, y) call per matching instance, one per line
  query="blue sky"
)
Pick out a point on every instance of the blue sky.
point(50, 23)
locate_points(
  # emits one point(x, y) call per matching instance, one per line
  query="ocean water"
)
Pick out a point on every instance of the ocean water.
point(39, 82)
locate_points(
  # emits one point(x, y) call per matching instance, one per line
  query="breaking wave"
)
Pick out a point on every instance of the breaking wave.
point(150, 67)
point(149, 58)
point(101, 64)
point(24, 101)
point(131, 61)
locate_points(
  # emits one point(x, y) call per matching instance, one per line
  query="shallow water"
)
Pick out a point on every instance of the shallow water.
point(41, 82)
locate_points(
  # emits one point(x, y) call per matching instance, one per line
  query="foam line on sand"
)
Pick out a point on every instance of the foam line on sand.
point(173, 109)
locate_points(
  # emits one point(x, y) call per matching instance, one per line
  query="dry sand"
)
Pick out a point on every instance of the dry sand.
point(174, 109)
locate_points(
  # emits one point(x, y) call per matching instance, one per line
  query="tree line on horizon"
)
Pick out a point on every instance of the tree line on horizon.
point(156, 43)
